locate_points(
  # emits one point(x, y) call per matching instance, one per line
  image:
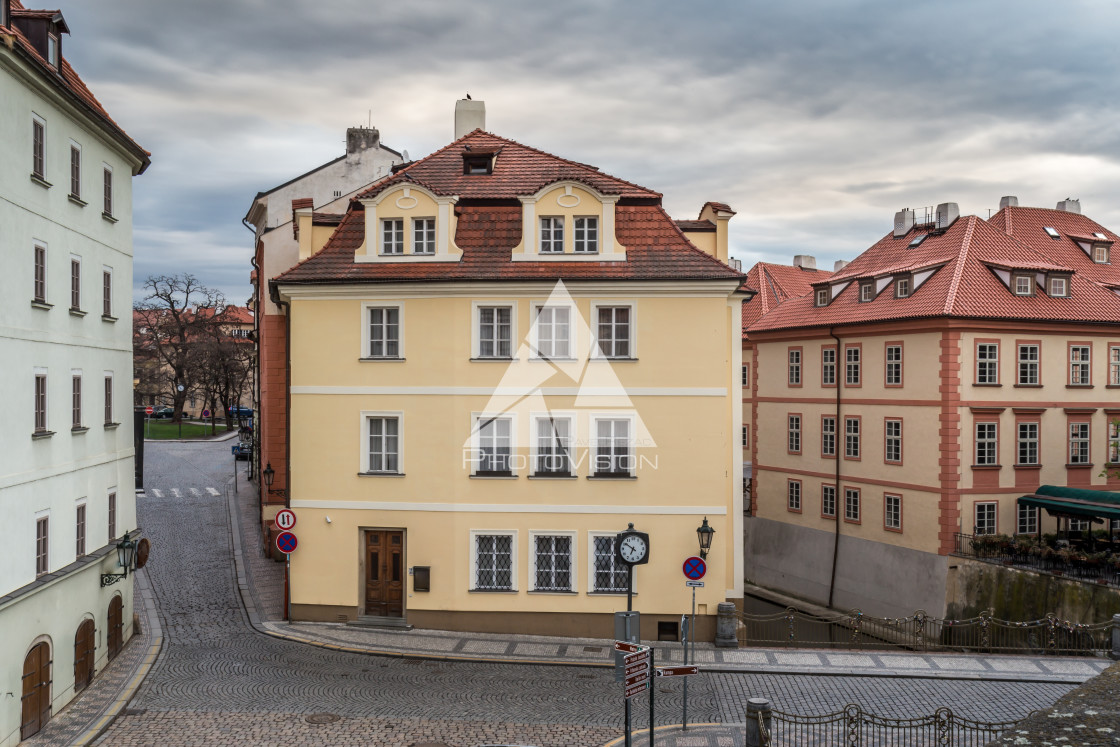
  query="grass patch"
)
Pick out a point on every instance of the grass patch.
point(165, 429)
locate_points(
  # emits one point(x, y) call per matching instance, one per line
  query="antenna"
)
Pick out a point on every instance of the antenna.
point(369, 121)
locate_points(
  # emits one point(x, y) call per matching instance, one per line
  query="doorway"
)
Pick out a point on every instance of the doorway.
point(83, 655)
point(116, 626)
point(36, 690)
point(384, 572)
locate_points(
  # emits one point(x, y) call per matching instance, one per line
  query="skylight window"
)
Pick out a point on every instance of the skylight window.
point(1101, 236)
point(917, 240)
point(1051, 232)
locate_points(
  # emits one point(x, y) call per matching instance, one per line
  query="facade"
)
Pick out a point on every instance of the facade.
point(321, 194)
point(918, 392)
point(66, 480)
point(518, 355)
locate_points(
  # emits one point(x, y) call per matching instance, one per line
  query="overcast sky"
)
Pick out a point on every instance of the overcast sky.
point(815, 120)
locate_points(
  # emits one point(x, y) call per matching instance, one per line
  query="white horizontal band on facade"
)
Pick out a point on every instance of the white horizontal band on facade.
point(518, 391)
point(512, 508)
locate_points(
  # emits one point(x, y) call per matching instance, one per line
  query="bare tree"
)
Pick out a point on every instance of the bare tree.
point(225, 364)
point(169, 323)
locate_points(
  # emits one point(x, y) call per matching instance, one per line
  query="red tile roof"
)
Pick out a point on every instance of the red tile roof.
point(67, 79)
point(774, 284)
point(695, 225)
point(1026, 224)
point(490, 222)
point(965, 285)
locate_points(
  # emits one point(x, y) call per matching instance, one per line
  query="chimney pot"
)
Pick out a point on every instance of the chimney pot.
point(805, 261)
point(1070, 205)
point(1008, 201)
point(947, 213)
point(470, 115)
point(903, 222)
point(839, 265)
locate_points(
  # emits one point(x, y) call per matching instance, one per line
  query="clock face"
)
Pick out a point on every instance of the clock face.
point(633, 549)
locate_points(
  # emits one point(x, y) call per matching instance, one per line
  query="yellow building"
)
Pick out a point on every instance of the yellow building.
point(499, 359)
point(915, 394)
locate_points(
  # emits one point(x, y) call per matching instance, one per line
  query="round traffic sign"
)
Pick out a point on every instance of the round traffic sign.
point(695, 568)
point(285, 518)
point(205, 413)
point(149, 410)
point(286, 542)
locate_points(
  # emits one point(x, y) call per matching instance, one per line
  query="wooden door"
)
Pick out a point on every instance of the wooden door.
point(83, 655)
point(116, 626)
point(36, 690)
point(384, 573)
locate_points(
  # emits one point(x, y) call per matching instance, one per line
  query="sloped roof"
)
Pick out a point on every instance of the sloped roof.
point(1026, 224)
point(67, 79)
point(963, 285)
point(774, 284)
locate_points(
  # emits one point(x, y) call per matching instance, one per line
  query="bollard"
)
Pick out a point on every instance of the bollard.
point(755, 707)
point(1116, 637)
point(726, 626)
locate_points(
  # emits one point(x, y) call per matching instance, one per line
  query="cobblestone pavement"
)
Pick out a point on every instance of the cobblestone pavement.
point(219, 681)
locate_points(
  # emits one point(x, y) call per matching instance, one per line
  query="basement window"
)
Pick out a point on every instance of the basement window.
point(1051, 232)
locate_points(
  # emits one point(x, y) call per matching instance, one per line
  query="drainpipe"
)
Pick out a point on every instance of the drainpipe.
point(836, 496)
point(274, 294)
point(258, 428)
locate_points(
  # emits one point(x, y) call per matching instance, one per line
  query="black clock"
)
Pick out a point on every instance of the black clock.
point(632, 546)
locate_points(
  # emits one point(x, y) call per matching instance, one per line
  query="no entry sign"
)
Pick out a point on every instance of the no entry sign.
point(149, 410)
point(286, 542)
point(695, 568)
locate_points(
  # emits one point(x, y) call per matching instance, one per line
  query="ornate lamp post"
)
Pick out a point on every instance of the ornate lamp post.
point(705, 533)
point(126, 556)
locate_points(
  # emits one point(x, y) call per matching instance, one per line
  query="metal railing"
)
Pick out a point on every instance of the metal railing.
point(919, 632)
point(1079, 563)
point(855, 726)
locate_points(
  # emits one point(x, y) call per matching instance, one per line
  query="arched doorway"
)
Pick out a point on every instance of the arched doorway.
point(36, 690)
point(83, 655)
point(116, 626)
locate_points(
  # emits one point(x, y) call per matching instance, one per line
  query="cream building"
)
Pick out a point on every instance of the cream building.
point(499, 359)
point(918, 392)
point(66, 479)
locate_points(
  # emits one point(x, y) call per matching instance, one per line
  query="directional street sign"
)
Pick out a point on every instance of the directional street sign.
point(638, 666)
point(695, 584)
point(637, 657)
point(677, 671)
point(285, 518)
point(629, 647)
point(286, 542)
point(632, 690)
point(695, 568)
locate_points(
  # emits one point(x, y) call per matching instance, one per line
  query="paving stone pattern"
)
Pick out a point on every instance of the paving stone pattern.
point(218, 681)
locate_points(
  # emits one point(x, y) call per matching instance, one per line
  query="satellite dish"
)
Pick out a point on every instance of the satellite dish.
point(404, 155)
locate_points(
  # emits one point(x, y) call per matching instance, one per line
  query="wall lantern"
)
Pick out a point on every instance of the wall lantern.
point(126, 555)
point(704, 533)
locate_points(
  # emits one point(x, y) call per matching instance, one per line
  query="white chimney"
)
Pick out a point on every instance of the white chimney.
point(839, 265)
point(806, 261)
point(946, 213)
point(903, 222)
point(1008, 201)
point(469, 116)
point(1070, 205)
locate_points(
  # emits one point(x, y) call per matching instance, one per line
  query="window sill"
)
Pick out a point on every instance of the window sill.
point(557, 359)
point(108, 318)
point(606, 477)
point(493, 477)
point(78, 429)
point(987, 385)
point(380, 474)
point(987, 467)
point(494, 360)
point(1028, 386)
point(37, 304)
point(41, 181)
point(612, 359)
point(555, 592)
point(492, 591)
point(77, 200)
point(1079, 386)
point(39, 435)
point(77, 312)
point(557, 476)
point(1028, 466)
point(391, 360)
point(108, 217)
point(1078, 466)
point(1112, 386)
point(609, 593)
point(111, 426)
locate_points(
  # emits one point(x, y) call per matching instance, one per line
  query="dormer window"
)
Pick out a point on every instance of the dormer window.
point(1051, 232)
point(479, 160)
point(552, 235)
point(1023, 285)
point(587, 235)
point(52, 50)
point(1100, 253)
point(822, 297)
point(423, 235)
point(392, 236)
point(1059, 287)
point(902, 287)
point(866, 292)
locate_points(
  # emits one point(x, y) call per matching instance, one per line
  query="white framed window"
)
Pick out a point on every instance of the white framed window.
point(552, 454)
point(614, 448)
point(80, 530)
point(493, 560)
point(1080, 360)
point(75, 170)
point(822, 297)
point(892, 512)
point(39, 288)
point(851, 438)
point(866, 292)
point(614, 330)
point(793, 495)
point(987, 363)
point(902, 287)
point(1113, 442)
point(76, 399)
point(552, 332)
point(984, 518)
point(494, 327)
point(828, 501)
point(494, 445)
point(828, 366)
point(987, 444)
point(1114, 365)
point(392, 236)
point(423, 235)
point(383, 325)
point(553, 561)
point(40, 400)
point(793, 367)
point(1028, 364)
point(893, 373)
point(42, 545)
point(1059, 287)
point(793, 427)
point(828, 436)
point(851, 504)
point(38, 148)
point(1024, 285)
point(75, 282)
point(107, 190)
point(852, 365)
point(552, 235)
point(107, 292)
point(1100, 253)
point(587, 235)
point(1078, 443)
point(112, 515)
point(109, 398)
point(52, 50)
point(892, 441)
point(1028, 443)
point(606, 573)
point(383, 442)
point(1026, 520)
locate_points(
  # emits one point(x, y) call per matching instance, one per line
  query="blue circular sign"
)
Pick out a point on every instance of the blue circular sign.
point(695, 568)
point(286, 542)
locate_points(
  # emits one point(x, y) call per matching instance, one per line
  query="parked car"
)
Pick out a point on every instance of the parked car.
point(163, 412)
point(240, 450)
point(240, 412)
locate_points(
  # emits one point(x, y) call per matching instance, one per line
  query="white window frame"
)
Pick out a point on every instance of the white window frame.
point(552, 224)
point(866, 292)
point(593, 441)
point(107, 298)
point(41, 156)
point(81, 528)
point(1081, 369)
point(394, 248)
point(1026, 519)
point(853, 437)
point(1022, 285)
point(367, 343)
point(902, 287)
point(1100, 254)
point(1021, 441)
point(824, 489)
point(793, 433)
point(1027, 365)
point(889, 440)
point(593, 324)
point(426, 245)
point(77, 403)
point(476, 328)
point(109, 390)
point(888, 514)
point(987, 368)
point(793, 495)
point(590, 245)
point(478, 419)
point(75, 149)
point(615, 563)
point(857, 515)
point(572, 559)
point(534, 441)
point(1114, 365)
point(986, 456)
point(473, 559)
point(1079, 442)
point(1058, 287)
point(794, 359)
point(364, 440)
point(1113, 450)
point(853, 366)
point(826, 434)
point(54, 48)
point(822, 297)
point(982, 511)
point(892, 366)
point(74, 258)
point(107, 189)
point(535, 331)
point(828, 366)
point(46, 397)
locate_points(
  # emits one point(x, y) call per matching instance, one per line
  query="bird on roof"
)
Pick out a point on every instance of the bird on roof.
point(468, 95)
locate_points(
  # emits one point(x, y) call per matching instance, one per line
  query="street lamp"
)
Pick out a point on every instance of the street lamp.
point(126, 555)
point(269, 474)
point(704, 534)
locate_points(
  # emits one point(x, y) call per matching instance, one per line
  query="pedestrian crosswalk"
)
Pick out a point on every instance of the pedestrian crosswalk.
point(180, 493)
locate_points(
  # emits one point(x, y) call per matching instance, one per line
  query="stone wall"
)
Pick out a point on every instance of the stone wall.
point(1015, 594)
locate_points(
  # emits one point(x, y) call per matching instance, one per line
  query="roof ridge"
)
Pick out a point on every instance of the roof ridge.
point(958, 271)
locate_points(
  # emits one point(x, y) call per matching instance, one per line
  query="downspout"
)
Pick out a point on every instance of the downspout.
point(836, 494)
point(258, 429)
point(274, 294)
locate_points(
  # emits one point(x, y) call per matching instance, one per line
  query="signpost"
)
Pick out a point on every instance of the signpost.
point(694, 569)
point(285, 519)
point(287, 542)
point(148, 419)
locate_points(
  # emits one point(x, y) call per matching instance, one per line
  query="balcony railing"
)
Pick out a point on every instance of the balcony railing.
point(1079, 560)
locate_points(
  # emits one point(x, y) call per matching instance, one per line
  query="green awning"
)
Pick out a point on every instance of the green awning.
point(1074, 501)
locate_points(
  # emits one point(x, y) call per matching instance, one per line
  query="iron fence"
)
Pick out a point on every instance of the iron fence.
point(919, 632)
point(855, 726)
point(1080, 562)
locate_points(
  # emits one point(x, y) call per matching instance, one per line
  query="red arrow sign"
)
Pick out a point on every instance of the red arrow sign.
point(627, 646)
point(677, 671)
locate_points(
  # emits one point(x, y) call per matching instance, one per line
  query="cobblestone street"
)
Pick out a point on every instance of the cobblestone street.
point(219, 681)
